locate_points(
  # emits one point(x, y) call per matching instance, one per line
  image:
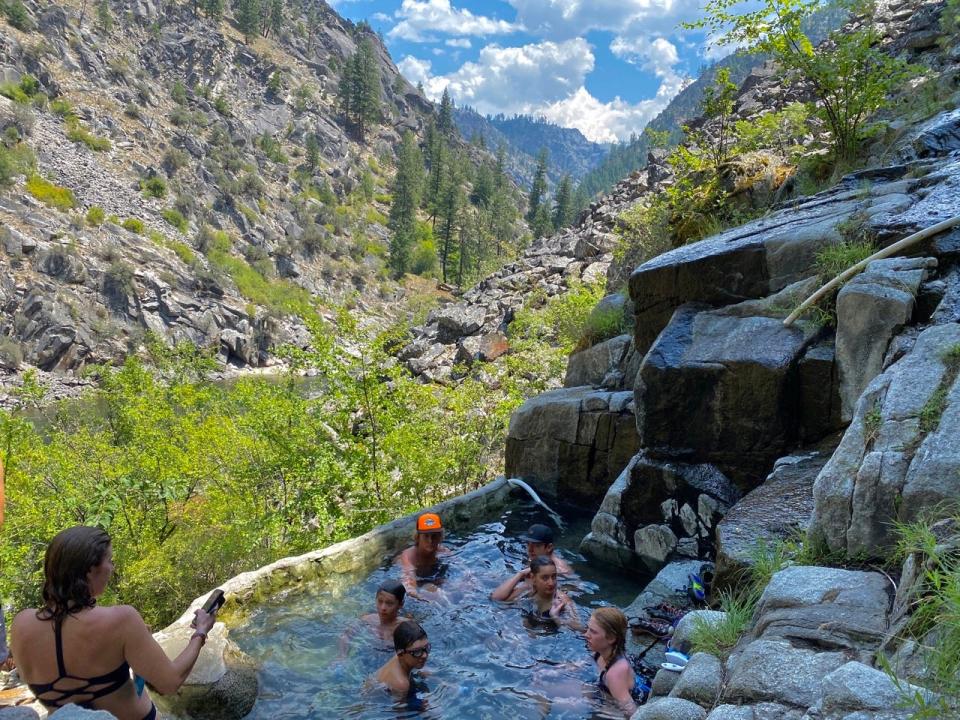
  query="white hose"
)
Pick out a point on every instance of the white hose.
point(515, 482)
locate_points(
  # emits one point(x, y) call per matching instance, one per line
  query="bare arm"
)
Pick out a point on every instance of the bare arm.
point(148, 659)
point(618, 680)
point(408, 573)
point(507, 590)
point(565, 611)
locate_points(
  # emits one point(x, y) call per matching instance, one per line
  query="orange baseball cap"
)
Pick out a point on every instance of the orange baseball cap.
point(429, 522)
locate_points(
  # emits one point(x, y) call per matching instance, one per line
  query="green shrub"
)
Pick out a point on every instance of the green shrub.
point(155, 187)
point(182, 251)
point(134, 225)
point(222, 106)
point(16, 160)
point(78, 133)
point(719, 638)
point(95, 216)
point(180, 117)
point(62, 107)
point(174, 218)
point(46, 192)
point(210, 240)
point(22, 92)
point(16, 14)
point(178, 93)
point(174, 159)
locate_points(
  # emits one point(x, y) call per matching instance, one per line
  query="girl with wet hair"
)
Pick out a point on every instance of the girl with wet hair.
point(606, 637)
point(73, 651)
point(540, 599)
point(412, 648)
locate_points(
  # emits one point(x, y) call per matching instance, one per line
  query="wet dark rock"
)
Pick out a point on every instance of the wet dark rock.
point(819, 392)
point(571, 443)
point(659, 511)
point(778, 510)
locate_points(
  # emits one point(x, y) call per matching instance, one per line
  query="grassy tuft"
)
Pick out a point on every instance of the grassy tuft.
point(176, 219)
point(134, 225)
point(46, 192)
point(76, 132)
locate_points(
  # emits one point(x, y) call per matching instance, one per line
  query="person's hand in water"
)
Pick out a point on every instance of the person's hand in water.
point(558, 607)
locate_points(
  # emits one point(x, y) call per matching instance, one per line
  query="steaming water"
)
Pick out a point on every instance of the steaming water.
point(486, 661)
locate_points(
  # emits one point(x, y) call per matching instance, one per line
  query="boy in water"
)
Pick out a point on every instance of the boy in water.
point(385, 620)
point(412, 650)
point(420, 562)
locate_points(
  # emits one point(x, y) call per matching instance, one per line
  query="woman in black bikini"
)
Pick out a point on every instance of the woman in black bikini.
point(607, 639)
point(70, 635)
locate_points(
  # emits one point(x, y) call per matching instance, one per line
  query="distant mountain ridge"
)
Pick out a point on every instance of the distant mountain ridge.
point(570, 153)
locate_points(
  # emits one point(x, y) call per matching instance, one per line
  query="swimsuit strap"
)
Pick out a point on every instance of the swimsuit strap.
point(58, 635)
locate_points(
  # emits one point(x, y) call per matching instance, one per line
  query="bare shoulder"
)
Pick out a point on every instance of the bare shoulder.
point(406, 557)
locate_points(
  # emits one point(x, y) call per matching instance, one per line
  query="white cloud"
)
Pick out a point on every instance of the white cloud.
point(559, 19)
point(548, 79)
point(414, 69)
point(459, 43)
point(420, 18)
point(512, 79)
point(380, 17)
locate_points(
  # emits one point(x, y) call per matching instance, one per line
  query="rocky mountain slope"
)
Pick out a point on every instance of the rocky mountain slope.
point(569, 152)
point(187, 182)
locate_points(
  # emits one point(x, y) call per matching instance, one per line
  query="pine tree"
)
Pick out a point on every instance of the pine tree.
point(313, 151)
point(538, 193)
point(445, 116)
point(213, 9)
point(360, 91)
point(563, 204)
point(406, 199)
point(274, 20)
point(541, 225)
point(448, 215)
point(247, 15)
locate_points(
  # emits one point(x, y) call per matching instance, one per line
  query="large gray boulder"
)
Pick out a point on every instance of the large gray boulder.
point(871, 309)
point(700, 681)
point(223, 684)
point(776, 671)
point(755, 259)
point(720, 386)
point(858, 687)
point(75, 712)
point(571, 443)
point(899, 457)
point(670, 709)
point(825, 608)
point(760, 711)
point(779, 509)
point(600, 365)
point(659, 511)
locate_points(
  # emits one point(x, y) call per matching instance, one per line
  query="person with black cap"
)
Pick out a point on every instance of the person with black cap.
point(539, 540)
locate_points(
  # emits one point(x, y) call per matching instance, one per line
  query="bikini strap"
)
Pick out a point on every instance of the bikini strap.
point(58, 635)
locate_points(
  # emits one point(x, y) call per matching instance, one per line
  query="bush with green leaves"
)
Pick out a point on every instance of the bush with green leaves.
point(851, 74)
point(50, 194)
point(95, 216)
point(134, 225)
point(17, 159)
point(174, 218)
point(21, 92)
point(16, 13)
point(78, 133)
point(155, 187)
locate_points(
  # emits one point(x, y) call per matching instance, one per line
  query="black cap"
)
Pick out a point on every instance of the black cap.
point(538, 534)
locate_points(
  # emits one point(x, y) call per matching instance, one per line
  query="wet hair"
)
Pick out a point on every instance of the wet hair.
point(614, 623)
point(541, 561)
point(395, 588)
point(70, 556)
point(406, 634)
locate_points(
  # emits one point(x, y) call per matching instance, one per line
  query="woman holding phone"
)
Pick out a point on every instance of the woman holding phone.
point(72, 651)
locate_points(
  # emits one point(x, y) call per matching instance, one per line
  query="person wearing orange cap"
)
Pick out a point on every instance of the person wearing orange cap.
point(420, 562)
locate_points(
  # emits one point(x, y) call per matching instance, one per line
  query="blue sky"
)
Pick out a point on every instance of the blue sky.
point(606, 67)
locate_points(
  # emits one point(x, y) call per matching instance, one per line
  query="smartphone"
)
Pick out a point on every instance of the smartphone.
point(214, 602)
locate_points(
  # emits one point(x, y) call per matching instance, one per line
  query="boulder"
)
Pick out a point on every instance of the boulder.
point(22, 712)
point(871, 309)
point(456, 321)
point(223, 683)
point(819, 392)
point(683, 632)
point(899, 457)
point(571, 443)
point(856, 686)
point(593, 365)
point(63, 265)
point(760, 711)
point(700, 681)
point(670, 709)
point(663, 587)
point(657, 511)
point(493, 345)
point(825, 608)
point(776, 671)
point(720, 386)
point(779, 509)
point(751, 261)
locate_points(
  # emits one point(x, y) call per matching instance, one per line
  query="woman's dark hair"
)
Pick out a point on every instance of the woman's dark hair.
point(395, 588)
point(541, 561)
point(70, 556)
point(406, 634)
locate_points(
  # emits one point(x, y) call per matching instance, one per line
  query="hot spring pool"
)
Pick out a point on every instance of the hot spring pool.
point(485, 662)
